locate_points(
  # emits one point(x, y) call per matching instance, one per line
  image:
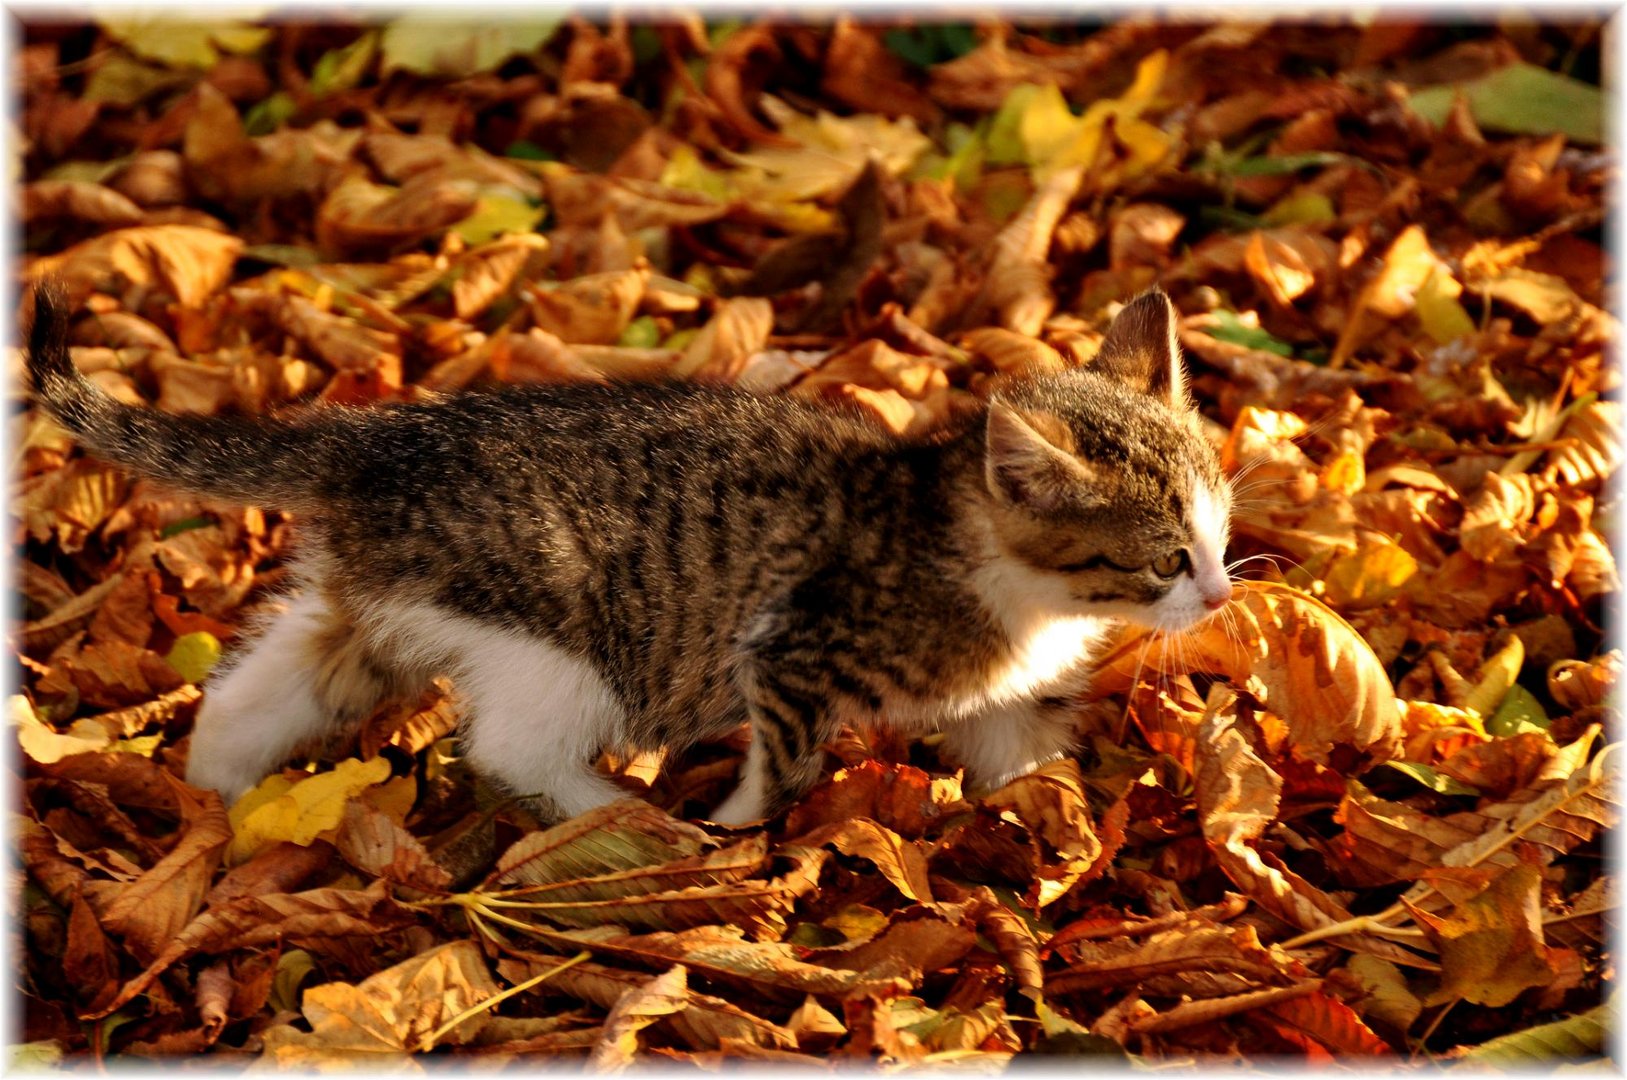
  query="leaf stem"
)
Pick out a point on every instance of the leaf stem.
point(428, 1042)
point(1361, 924)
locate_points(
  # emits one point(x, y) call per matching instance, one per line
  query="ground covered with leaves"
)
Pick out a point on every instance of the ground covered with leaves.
point(1359, 814)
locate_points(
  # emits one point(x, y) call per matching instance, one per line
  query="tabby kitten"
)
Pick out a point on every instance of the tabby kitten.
point(642, 566)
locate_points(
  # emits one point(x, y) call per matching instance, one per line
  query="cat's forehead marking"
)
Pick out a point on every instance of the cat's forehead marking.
point(1210, 523)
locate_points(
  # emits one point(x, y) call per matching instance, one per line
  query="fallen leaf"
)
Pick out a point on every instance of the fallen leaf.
point(300, 812)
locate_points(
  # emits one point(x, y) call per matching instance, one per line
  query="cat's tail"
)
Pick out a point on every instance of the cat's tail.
point(263, 462)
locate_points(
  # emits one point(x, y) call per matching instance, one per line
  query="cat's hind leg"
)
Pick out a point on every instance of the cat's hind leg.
point(538, 718)
point(306, 678)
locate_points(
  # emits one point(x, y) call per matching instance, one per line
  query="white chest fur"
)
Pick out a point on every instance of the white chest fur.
point(1045, 654)
point(1048, 640)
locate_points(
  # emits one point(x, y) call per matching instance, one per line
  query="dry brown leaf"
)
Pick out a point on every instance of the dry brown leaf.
point(915, 942)
point(1017, 285)
point(626, 835)
point(591, 310)
point(773, 970)
point(704, 1022)
point(149, 912)
point(489, 272)
point(635, 1010)
point(1200, 960)
point(187, 262)
point(1597, 450)
point(1239, 797)
point(737, 329)
point(1329, 1021)
point(901, 798)
point(263, 919)
point(1050, 803)
point(900, 861)
point(361, 217)
point(1570, 800)
point(1295, 656)
point(1491, 945)
point(78, 200)
point(1012, 353)
point(389, 1016)
point(374, 843)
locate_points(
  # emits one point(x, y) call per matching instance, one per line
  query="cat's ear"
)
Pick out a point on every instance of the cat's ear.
point(1028, 460)
point(1142, 350)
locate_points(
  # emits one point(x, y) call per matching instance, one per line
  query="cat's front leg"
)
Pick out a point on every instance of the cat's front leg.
point(790, 719)
point(1000, 744)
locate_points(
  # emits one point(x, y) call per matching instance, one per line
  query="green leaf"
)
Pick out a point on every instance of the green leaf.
point(342, 69)
point(93, 172)
point(1226, 217)
point(1439, 312)
point(719, 32)
point(526, 150)
point(1279, 165)
point(1582, 1035)
point(1519, 712)
point(269, 115)
point(458, 47)
point(1310, 208)
point(1522, 99)
point(1431, 779)
point(194, 654)
point(176, 528)
point(646, 43)
point(642, 333)
point(1234, 330)
point(924, 46)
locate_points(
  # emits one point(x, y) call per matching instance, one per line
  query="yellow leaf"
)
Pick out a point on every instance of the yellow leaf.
point(1371, 574)
point(1346, 473)
point(272, 787)
point(45, 744)
point(393, 798)
point(1443, 318)
point(447, 45)
point(1146, 143)
point(306, 810)
point(194, 655)
point(183, 42)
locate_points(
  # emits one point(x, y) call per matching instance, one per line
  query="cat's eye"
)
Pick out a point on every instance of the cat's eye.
point(1096, 562)
point(1167, 566)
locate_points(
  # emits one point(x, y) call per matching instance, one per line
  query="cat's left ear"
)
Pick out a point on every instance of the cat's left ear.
point(1142, 351)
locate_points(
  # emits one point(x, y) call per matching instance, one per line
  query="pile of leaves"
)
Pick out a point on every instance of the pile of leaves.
point(1361, 813)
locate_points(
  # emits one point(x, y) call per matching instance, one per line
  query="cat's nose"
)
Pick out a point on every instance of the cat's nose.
point(1215, 603)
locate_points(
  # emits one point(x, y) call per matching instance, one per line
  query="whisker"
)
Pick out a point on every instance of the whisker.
point(1135, 680)
point(1275, 560)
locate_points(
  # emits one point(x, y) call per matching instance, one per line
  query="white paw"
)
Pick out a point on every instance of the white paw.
point(741, 808)
point(231, 782)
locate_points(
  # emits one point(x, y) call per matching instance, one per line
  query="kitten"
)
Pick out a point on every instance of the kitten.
point(641, 566)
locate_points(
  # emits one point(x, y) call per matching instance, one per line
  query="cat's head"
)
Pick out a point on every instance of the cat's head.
point(1102, 483)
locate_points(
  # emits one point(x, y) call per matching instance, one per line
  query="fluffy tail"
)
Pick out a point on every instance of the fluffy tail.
point(264, 462)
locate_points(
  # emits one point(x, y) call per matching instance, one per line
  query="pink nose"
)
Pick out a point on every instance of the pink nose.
point(1215, 603)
